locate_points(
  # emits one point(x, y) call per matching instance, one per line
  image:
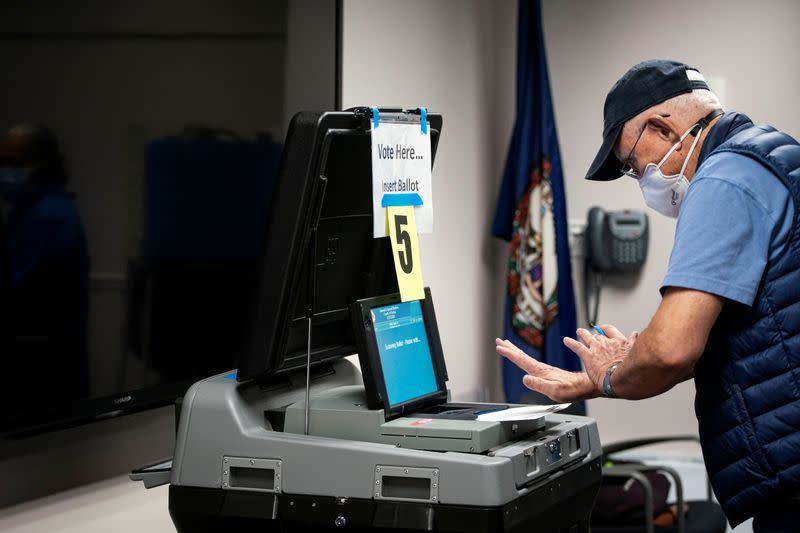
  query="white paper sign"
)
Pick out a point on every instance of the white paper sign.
point(401, 165)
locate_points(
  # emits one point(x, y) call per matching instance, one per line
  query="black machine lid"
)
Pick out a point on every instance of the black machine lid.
point(350, 264)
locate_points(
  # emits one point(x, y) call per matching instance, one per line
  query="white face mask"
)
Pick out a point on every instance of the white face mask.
point(665, 193)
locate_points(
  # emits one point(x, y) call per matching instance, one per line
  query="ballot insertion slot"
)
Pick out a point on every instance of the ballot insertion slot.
point(250, 473)
point(414, 488)
point(406, 483)
point(252, 478)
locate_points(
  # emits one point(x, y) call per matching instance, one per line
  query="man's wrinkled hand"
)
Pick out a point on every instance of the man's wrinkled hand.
point(597, 352)
point(555, 383)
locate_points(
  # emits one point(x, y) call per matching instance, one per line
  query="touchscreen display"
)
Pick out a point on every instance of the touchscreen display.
point(404, 351)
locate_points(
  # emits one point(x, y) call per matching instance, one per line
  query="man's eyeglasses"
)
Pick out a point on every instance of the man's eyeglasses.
point(627, 168)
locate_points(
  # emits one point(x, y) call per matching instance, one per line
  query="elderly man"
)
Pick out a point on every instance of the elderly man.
point(730, 312)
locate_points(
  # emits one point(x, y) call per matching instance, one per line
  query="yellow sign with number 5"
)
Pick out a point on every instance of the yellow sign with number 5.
point(405, 249)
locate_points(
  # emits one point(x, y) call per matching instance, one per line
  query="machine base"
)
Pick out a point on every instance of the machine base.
point(562, 505)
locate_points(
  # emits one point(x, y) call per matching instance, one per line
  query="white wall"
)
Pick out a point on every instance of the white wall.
point(749, 49)
point(442, 55)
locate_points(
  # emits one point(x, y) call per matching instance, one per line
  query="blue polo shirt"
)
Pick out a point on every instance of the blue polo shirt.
point(736, 216)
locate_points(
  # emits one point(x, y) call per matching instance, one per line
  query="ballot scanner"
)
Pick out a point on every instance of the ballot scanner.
point(304, 438)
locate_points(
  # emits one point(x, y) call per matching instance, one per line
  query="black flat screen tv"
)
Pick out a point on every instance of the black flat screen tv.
point(139, 149)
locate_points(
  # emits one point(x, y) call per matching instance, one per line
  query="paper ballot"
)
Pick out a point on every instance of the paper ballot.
point(526, 412)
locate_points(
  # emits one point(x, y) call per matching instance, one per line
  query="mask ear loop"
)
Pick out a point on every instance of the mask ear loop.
point(691, 149)
point(683, 137)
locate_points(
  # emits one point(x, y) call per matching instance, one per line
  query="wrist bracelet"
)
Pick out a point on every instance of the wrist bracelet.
point(608, 390)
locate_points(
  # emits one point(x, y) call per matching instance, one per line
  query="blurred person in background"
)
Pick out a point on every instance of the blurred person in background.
point(45, 286)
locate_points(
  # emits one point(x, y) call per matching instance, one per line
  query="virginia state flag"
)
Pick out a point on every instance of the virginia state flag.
point(531, 214)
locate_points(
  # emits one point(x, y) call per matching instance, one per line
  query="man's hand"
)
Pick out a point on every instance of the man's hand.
point(653, 362)
point(596, 352)
point(555, 383)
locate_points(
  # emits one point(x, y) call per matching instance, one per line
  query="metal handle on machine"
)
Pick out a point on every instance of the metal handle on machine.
point(311, 288)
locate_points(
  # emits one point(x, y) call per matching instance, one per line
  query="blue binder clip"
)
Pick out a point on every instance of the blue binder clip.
point(374, 117)
point(423, 120)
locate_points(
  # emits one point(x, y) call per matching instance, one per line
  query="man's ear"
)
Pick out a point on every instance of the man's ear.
point(664, 128)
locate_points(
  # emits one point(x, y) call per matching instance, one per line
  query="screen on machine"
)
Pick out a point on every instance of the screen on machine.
point(404, 351)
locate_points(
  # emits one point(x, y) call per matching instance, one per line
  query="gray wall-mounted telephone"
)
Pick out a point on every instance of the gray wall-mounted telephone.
point(616, 241)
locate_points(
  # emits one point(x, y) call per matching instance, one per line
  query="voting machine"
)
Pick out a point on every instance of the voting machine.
point(300, 438)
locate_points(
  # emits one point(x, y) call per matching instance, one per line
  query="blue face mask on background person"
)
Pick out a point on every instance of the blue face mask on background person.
point(12, 179)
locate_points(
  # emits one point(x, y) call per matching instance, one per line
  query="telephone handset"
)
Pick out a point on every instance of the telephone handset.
point(616, 241)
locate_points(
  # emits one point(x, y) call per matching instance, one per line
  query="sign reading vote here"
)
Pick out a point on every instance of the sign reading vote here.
point(401, 174)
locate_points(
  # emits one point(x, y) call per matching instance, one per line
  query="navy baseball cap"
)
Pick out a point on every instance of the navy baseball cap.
point(643, 86)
